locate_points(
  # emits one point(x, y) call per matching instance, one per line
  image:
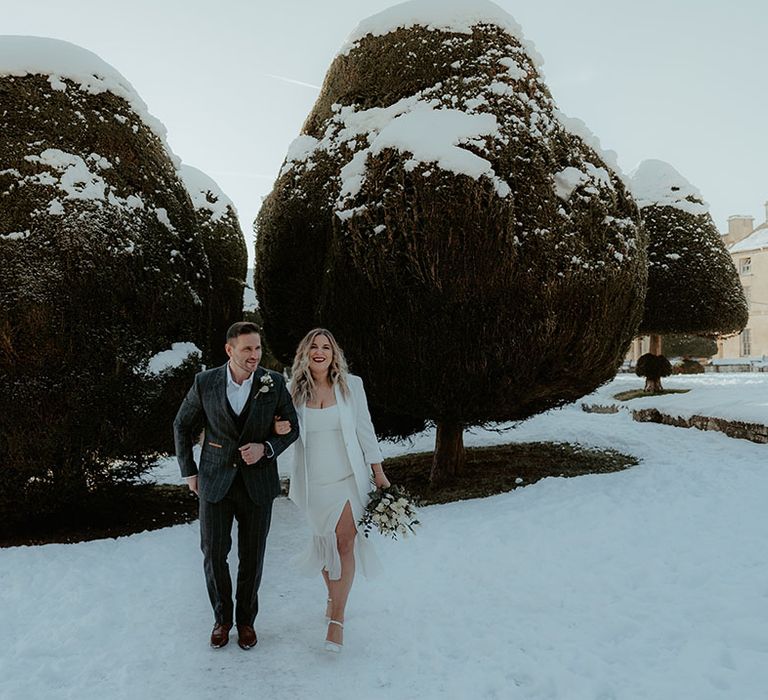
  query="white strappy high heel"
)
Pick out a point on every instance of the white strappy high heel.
point(334, 646)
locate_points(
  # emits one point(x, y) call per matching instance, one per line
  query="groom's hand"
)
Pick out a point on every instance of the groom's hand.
point(192, 483)
point(252, 452)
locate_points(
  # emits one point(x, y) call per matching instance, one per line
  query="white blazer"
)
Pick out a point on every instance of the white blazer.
point(359, 441)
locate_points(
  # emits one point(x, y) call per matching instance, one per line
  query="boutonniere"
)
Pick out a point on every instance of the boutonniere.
point(267, 383)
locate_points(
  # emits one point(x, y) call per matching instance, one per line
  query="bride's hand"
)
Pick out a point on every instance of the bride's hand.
point(381, 481)
point(282, 427)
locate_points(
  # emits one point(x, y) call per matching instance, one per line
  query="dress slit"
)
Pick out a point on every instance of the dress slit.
point(331, 485)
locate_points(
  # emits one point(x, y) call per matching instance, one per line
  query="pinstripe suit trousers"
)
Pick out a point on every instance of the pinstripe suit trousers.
point(253, 522)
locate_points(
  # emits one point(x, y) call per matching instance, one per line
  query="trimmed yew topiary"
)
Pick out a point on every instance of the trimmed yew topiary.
point(227, 257)
point(472, 250)
point(653, 368)
point(693, 285)
point(102, 267)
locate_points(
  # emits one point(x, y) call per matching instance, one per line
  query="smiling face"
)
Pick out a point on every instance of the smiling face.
point(244, 354)
point(320, 355)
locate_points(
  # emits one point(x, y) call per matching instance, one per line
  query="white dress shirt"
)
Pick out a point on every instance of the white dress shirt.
point(237, 394)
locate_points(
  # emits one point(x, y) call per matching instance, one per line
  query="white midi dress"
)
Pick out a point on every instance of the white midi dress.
point(331, 484)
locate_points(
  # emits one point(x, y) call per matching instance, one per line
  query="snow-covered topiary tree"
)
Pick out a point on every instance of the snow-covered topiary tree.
point(693, 285)
point(102, 269)
point(473, 250)
point(227, 256)
point(653, 367)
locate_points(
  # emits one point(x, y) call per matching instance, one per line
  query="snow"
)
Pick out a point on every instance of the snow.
point(299, 150)
point(440, 15)
point(656, 183)
point(76, 178)
point(755, 241)
point(55, 208)
point(430, 136)
point(578, 127)
point(644, 584)
point(513, 68)
point(568, 179)
point(250, 303)
point(15, 235)
point(31, 55)
point(733, 396)
point(202, 188)
point(170, 359)
point(413, 125)
point(162, 216)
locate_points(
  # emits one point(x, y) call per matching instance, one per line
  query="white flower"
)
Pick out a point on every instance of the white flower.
point(390, 513)
point(267, 383)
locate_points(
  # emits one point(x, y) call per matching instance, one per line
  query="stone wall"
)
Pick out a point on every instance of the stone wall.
point(736, 429)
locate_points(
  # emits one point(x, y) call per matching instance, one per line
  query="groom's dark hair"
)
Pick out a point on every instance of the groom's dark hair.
point(242, 328)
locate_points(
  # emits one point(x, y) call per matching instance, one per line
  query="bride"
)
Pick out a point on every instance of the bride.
point(335, 457)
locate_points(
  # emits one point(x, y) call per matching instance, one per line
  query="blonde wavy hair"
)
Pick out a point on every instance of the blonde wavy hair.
point(302, 383)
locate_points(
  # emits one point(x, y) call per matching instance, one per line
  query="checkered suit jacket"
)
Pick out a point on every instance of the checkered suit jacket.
point(206, 406)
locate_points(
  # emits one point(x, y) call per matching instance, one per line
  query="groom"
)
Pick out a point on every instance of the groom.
point(237, 476)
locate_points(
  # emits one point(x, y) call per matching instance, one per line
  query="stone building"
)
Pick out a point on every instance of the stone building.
point(748, 245)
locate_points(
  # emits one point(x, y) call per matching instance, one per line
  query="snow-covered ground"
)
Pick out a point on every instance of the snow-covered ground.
point(737, 396)
point(651, 583)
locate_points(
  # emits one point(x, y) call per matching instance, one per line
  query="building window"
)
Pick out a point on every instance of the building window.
point(745, 343)
point(745, 266)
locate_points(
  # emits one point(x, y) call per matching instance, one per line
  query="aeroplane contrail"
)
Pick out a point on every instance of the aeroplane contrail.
point(291, 80)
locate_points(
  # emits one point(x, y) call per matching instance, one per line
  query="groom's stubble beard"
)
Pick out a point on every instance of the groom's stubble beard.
point(243, 366)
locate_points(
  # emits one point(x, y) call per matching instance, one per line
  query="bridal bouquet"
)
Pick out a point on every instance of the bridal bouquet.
point(391, 511)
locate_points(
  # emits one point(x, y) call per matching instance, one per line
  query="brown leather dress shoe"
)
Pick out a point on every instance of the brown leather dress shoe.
point(220, 635)
point(246, 636)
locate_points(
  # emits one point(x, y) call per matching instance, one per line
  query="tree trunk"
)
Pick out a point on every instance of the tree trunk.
point(449, 457)
point(652, 385)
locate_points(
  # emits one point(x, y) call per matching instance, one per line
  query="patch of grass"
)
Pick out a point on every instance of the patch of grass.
point(639, 393)
point(120, 512)
point(501, 468)
point(488, 471)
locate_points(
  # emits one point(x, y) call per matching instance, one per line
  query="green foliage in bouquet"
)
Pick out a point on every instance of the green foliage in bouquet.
point(391, 511)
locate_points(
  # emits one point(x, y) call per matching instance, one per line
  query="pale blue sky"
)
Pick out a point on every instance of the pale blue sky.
point(679, 80)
